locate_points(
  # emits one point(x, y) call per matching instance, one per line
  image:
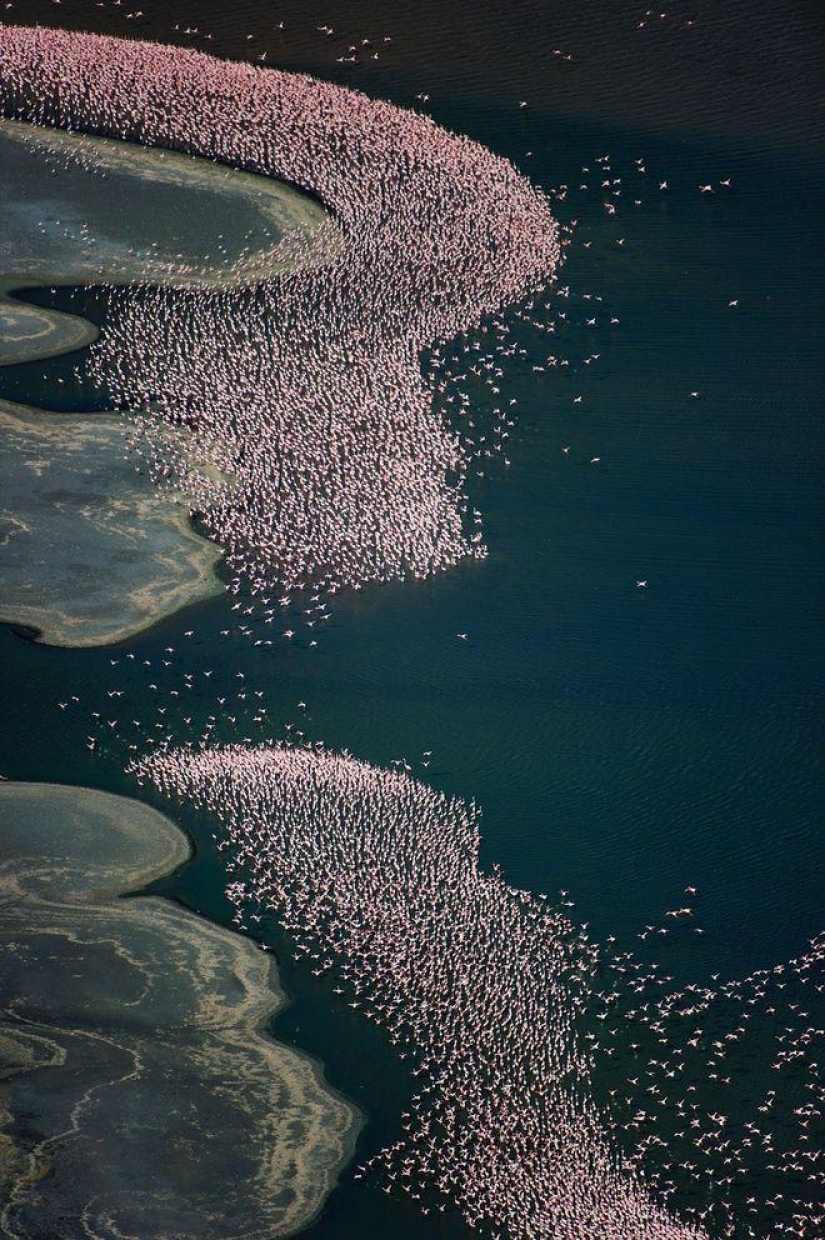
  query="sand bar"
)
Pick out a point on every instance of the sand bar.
point(89, 552)
point(149, 1101)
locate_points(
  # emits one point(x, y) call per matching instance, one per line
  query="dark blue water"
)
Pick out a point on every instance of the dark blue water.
point(623, 742)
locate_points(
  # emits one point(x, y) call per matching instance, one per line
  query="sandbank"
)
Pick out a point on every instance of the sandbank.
point(78, 209)
point(139, 1094)
point(30, 332)
point(90, 553)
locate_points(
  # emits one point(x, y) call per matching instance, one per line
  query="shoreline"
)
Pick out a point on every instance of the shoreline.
point(110, 556)
point(34, 333)
point(307, 233)
point(278, 1094)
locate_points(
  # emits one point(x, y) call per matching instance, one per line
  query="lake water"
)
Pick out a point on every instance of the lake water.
point(623, 742)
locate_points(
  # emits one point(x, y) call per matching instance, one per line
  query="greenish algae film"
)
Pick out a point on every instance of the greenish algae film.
point(139, 1095)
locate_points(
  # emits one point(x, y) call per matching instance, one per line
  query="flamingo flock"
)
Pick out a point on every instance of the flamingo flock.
point(296, 418)
point(293, 415)
point(717, 1087)
point(479, 983)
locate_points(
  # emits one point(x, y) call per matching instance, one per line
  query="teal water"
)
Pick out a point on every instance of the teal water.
point(122, 1016)
point(623, 743)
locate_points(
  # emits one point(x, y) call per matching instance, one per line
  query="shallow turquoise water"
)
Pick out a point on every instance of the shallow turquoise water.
point(623, 743)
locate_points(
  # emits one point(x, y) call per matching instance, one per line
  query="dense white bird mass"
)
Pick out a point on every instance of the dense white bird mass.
point(307, 389)
point(482, 981)
point(295, 417)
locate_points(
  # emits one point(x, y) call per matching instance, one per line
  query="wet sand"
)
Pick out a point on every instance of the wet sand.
point(139, 1095)
point(90, 553)
point(79, 209)
point(30, 332)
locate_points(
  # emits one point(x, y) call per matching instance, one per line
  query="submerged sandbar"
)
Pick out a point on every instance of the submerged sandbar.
point(90, 553)
point(79, 209)
point(29, 332)
point(139, 1095)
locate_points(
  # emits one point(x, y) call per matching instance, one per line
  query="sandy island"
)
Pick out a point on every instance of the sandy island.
point(138, 1093)
point(78, 209)
point(89, 553)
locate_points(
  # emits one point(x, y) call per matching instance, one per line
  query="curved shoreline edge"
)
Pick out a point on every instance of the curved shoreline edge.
point(100, 497)
point(57, 333)
point(438, 234)
point(108, 556)
point(167, 1080)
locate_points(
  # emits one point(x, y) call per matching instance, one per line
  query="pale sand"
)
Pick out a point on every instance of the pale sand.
point(95, 190)
point(131, 1045)
point(90, 553)
point(30, 332)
